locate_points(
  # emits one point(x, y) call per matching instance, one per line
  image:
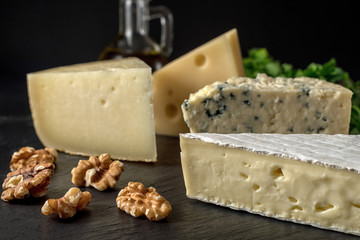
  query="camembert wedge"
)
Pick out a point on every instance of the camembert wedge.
point(305, 178)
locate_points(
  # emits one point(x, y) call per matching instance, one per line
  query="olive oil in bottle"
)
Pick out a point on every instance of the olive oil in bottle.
point(133, 38)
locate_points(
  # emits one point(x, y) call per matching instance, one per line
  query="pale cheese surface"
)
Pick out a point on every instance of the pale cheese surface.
point(307, 178)
point(94, 108)
point(269, 105)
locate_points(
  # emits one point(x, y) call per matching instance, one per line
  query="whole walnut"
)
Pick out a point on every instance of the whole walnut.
point(67, 206)
point(137, 200)
point(30, 181)
point(99, 172)
point(28, 157)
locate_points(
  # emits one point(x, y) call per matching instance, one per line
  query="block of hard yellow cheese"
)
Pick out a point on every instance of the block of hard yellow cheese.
point(304, 178)
point(94, 108)
point(217, 60)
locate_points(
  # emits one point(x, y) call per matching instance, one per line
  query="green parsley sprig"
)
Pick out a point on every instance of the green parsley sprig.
point(260, 61)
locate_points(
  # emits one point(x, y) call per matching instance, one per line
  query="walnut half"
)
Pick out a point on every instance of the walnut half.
point(28, 157)
point(30, 181)
point(137, 200)
point(100, 172)
point(67, 206)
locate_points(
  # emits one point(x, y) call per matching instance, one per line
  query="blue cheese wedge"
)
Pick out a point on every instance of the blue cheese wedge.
point(269, 105)
point(304, 178)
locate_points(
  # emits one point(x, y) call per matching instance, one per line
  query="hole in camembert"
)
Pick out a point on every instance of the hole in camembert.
point(246, 164)
point(296, 208)
point(255, 187)
point(323, 206)
point(277, 172)
point(357, 205)
point(243, 175)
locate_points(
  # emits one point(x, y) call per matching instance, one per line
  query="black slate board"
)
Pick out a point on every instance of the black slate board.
point(190, 219)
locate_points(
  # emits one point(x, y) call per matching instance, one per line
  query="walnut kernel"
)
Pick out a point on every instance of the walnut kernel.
point(30, 181)
point(28, 157)
point(67, 206)
point(99, 172)
point(137, 200)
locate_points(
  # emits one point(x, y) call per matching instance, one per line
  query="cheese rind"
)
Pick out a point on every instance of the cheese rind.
point(269, 105)
point(217, 60)
point(305, 178)
point(93, 108)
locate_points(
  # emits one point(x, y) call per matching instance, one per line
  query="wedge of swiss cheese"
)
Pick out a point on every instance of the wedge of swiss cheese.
point(269, 105)
point(217, 60)
point(94, 108)
point(304, 178)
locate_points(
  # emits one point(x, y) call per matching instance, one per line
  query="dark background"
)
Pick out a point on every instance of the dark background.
point(36, 35)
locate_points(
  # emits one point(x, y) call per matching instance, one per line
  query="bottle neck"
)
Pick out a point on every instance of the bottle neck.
point(133, 17)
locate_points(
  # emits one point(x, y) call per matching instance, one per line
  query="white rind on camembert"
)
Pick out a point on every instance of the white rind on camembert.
point(305, 178)
point(269, 105)
point(94, 108)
